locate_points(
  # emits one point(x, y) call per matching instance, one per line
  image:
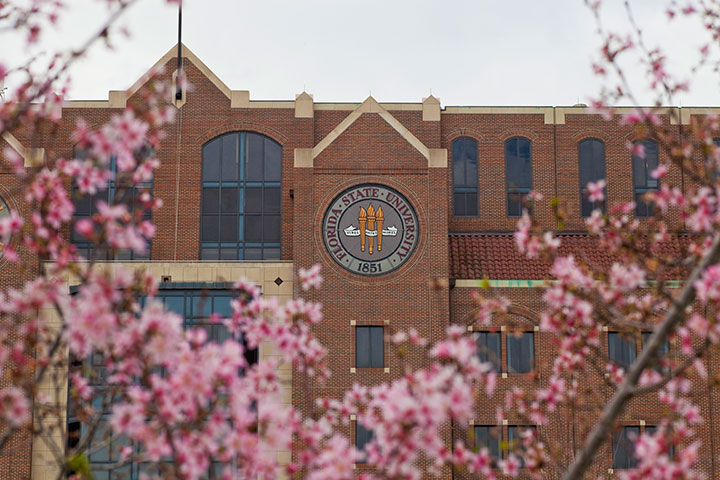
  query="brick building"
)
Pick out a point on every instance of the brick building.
point(261, 188)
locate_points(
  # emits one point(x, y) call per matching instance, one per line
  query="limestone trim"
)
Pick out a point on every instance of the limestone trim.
point(303, 158)
point(438, 158)
point(431, 109)
point(547, 112)
point(33, 157)
point(370, 105)
point(304, 106)
point(404, 107)
point(687, 112)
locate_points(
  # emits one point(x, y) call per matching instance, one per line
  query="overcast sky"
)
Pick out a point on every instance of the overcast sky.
point(466, 52)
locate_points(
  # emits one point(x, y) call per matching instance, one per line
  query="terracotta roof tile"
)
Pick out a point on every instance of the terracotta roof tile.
point(494, 255)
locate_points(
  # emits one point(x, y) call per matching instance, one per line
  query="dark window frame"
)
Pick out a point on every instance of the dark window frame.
point(642, 181)
point(366, 356)
point(586, 207)
point(466, 190)
point(516, 194)
point(252, 167)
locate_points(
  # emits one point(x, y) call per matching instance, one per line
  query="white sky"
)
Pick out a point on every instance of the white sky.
point(467, 52)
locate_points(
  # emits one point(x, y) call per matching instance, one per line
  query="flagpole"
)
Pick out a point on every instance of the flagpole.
point(178, 88)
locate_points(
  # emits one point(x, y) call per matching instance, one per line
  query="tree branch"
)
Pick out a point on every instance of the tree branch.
point(599, 433)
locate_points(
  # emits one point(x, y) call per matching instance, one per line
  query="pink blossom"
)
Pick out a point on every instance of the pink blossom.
point(311, 277)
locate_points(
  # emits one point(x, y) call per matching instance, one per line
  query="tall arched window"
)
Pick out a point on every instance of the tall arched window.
point(465, 177)
point(591, 163)
point(643, 182)
point(518, 174)
point(241, 175)
point(120, 190)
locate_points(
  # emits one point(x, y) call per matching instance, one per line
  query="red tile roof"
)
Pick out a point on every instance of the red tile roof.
point(495, 256)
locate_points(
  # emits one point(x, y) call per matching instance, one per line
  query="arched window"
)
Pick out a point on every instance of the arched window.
point(643, 182)
point(518, 174)
point(120, 190)
point(241, 175)
point(591, 163)
point(465, 177)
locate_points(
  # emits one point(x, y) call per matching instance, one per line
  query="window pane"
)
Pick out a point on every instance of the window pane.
point(515, 441)
point(620, 350)
point(377, 350)
point(253, 200)
point(272, 200)
point(651, 160)
point(271, 254)
point(273, 161)
point(209, 254)
point(228, 253)
point(229, 201)
point(221, 305)
point(271, 228)
point(514, 204)
point(175, 304)
point(210, 200)
point(362, 347)
point(591, 164)
point(488, 348)
point(253, 228)
point(471, 204)
point(488, 436)
point(211, 161)
point(521, 353)
point(83, 204)
point(459, 209)
point(363, 436)
point(624, 447)
point(254, 159)
point(253, 254)
point(209, 228)
point(229, 228)
point(229, 157)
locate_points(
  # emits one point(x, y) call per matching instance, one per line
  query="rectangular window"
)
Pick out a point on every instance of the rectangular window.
point(515, 440)
point(621, 351)
point(643, 182)
point(623, 447)
point(490, 437)
point(465, 177)
point(521, 352)
point(488, 348)
point(369, 347)
point(363, 436)
point(518, 175)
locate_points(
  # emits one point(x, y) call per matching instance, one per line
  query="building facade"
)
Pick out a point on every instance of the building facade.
point(408, 207)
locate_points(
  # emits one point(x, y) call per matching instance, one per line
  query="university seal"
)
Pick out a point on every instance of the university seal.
point(370, 229)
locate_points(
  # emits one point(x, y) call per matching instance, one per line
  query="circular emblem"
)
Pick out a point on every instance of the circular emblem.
point(4, 212)
point(370, 229)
